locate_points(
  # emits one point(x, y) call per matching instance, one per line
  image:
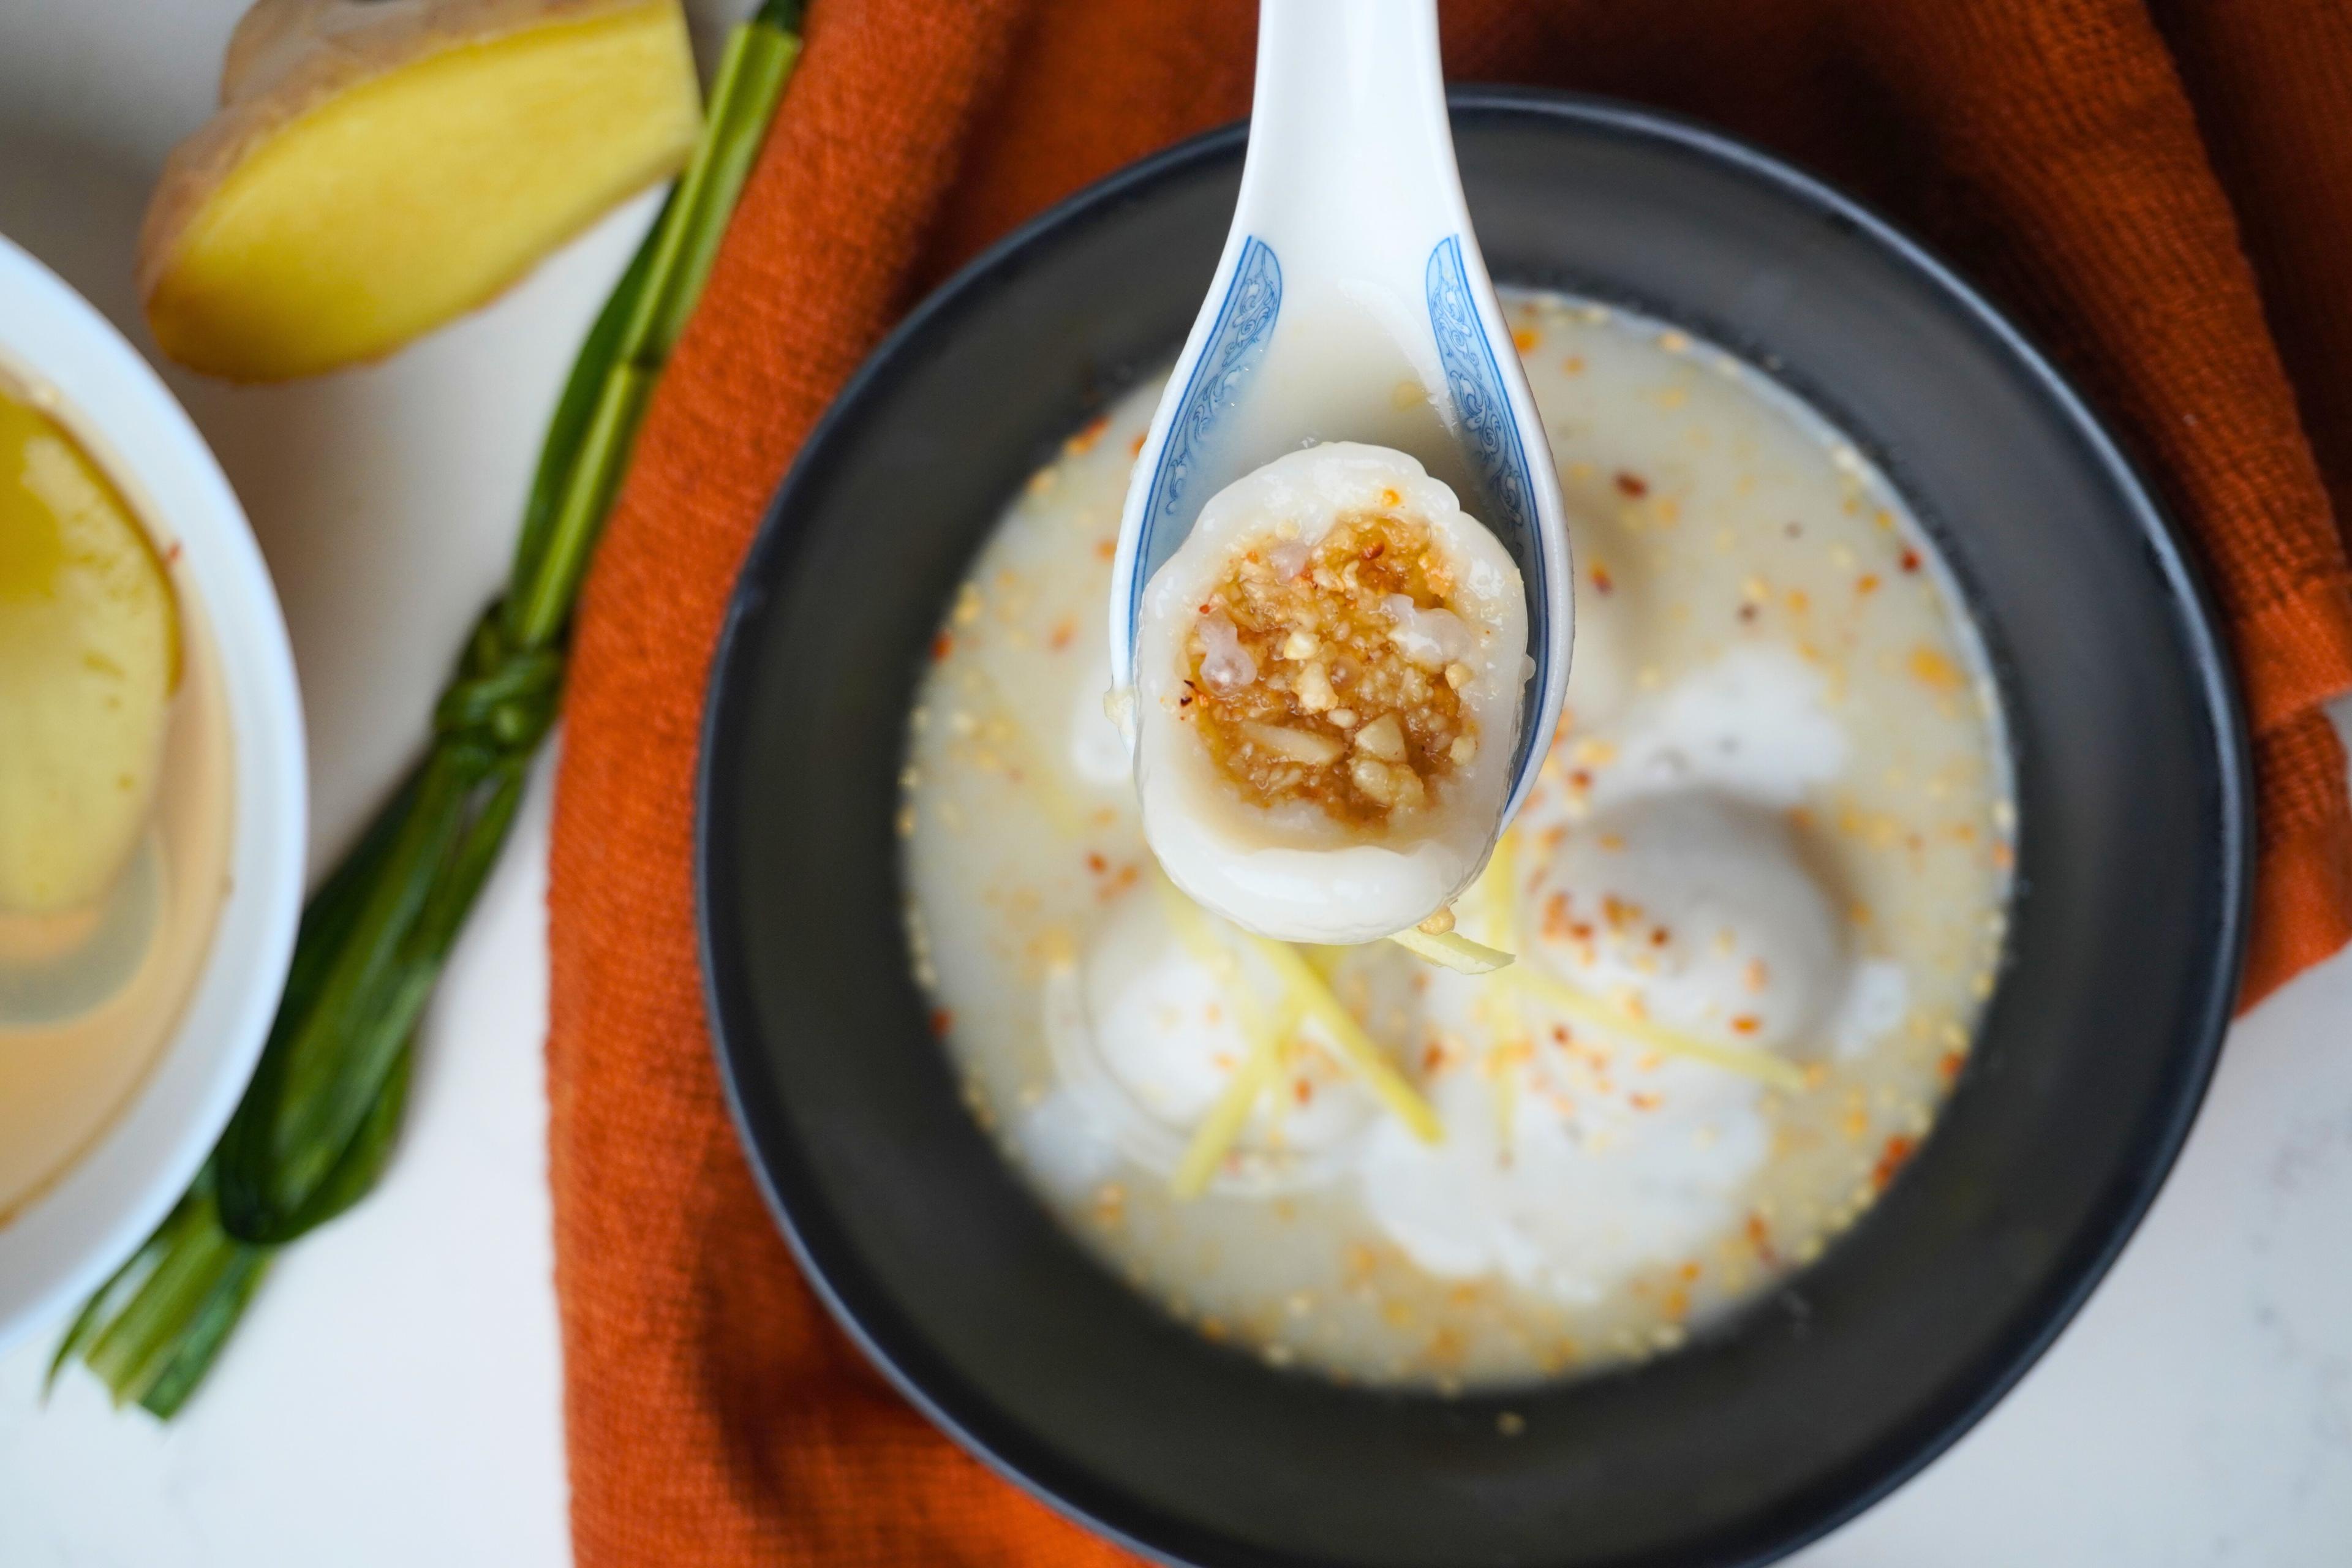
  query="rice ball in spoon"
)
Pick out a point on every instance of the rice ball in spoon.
point(1327, 683)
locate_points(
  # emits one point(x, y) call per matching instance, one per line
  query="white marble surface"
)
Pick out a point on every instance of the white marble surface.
point(393, 1400)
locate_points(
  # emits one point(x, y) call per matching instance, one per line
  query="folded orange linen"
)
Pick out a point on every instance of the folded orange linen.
point(2161, 192)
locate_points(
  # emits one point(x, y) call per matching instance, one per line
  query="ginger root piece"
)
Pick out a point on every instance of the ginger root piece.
point(381, 166)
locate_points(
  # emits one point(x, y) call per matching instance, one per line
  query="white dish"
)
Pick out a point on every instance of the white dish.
point(61, 1244)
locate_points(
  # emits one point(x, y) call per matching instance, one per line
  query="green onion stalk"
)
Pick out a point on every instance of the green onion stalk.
point(317, 1125)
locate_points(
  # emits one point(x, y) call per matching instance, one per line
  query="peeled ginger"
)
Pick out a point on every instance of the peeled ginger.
point(381, 166)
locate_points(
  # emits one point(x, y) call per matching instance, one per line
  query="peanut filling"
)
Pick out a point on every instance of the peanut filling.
point(1334, 673)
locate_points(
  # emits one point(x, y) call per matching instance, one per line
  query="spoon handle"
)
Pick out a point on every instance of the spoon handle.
point(1352, 301)
point(1349, 130)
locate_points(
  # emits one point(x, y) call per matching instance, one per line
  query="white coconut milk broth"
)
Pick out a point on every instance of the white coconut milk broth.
point(1781, 746)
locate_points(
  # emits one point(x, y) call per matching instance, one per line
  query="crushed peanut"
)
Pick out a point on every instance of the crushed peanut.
point(1307, 684)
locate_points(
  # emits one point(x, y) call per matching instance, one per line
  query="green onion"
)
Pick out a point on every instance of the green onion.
point(317, 1125)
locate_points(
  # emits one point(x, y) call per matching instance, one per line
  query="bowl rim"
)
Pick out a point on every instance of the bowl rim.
point(2196, 613)
point(76, 1230)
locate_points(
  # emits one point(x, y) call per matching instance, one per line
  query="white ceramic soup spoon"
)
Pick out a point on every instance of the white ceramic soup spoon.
point(1351, 303)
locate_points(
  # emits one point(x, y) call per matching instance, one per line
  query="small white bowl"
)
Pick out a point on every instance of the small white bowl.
point(66, 1241)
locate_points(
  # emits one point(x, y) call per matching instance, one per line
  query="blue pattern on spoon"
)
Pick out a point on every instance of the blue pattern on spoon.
point(1245, 321)
point(1483, 422)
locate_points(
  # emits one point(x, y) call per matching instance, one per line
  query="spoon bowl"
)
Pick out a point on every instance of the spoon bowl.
point(1351, 303)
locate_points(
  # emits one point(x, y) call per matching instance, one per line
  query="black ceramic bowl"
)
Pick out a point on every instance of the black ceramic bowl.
point(2132, 794)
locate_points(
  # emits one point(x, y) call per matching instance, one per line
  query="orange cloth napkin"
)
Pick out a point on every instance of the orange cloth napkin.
point(2162, 193)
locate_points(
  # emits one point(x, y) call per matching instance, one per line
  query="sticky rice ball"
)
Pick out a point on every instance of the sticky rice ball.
point(1328, 684)
point(1695, 910)
point(1146, 1032)
point(1546, 1200)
